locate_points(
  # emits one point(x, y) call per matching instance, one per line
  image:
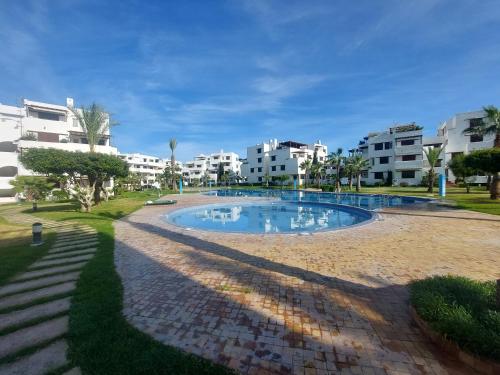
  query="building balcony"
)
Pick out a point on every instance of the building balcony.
point(67, 146)
point(408, 165)
point(409, 150)
point(413, 133)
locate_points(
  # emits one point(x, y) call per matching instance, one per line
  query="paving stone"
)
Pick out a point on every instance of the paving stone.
point(41, 362)
point(28, 297)
point(38, 283)
point(49, 271)
point(32, 336)
point(67, 254)
point(71, 240)
point(31, 313)
point(77, 245)
point(55, 262)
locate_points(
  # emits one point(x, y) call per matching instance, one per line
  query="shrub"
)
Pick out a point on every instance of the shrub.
point(462, 310)
point(403, 184)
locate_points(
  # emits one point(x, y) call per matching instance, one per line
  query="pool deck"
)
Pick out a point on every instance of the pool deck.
point(328, 303)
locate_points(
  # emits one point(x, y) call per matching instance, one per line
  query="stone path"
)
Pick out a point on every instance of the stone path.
point(328, 303)
point(34, 305)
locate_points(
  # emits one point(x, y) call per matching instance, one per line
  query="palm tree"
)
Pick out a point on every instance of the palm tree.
point(489, 125)
point(336, 159)
point(318, 170)
point(282, 179)
point(432, 154)
point(173, 145)
point(306, 165)
point(94, 122)
point(349, 169)
point(358, 165)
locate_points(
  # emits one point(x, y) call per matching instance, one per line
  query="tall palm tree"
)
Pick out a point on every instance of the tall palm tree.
point(358, 165)
point(336, 159)
point(94, 122)
point(489, 125)
point(318, 170)
point(432, 154)
point(306, 166)
point(173, 145)
point(349, 169)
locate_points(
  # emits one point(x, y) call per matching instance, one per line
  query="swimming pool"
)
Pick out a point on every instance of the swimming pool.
point(269, 217)
point(366, 201)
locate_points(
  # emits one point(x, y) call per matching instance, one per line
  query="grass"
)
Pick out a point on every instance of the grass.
point(462, 310)
point(16, 254)
point(100, 339)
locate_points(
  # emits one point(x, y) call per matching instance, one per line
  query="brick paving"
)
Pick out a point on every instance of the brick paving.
point(328, 303)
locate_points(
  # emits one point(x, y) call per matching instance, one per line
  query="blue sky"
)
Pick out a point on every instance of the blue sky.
point(228, 74)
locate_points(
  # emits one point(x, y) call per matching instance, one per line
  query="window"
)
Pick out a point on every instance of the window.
point(260, 179)
point(409, 157)
point(252, 170)
point(384, 160)
point(387, 145)
point(75, 123)
point(84, 141)
point(48, 116)
point(102, 142)
point(378, 146)
point(475, 123)
point(273, 158)
point(407, 142)
point(379, 175)
point(408, 174)
point(259, 169)
point(228, 158)
point(259, 151)
point(273, 168)
point(259, 160)
point(282, 167)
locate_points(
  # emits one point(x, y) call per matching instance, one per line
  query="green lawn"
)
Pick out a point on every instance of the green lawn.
point(16, 254)
point(101, 341)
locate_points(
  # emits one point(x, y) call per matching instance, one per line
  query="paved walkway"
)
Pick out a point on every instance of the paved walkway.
point(34, 305)
point(329, 303)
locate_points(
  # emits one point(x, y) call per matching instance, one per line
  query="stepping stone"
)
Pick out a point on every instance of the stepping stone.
point(74, 241)
point(75, 246)
point(49, 271)
point(73, 371)
point(38, 283)
point(76, 238)
point(56, 262)
point(41, 362)
point(34, 312)
point(31, 336)
point(27, 297)
point(65, 254)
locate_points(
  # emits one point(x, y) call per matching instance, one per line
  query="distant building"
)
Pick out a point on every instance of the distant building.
point(150, 168)
point(204, 168)
point(394, 156)
point(39, 125)
point(456, 143)
point(275, 158)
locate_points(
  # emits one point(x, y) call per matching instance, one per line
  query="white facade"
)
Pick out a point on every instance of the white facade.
point(39, 125)
point(203, 168)
point(451, 131)
point(394, 156)
point(148, 167)
point(275, 158)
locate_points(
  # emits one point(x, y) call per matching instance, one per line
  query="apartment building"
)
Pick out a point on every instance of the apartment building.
point(395, 156)
point(148, 167)
point(39, 125)
point(456, 143)
point(275, 158)
point(204, 168)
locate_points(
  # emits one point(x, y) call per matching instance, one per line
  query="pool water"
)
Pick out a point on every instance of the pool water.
point(366, 201)
point(269, 217)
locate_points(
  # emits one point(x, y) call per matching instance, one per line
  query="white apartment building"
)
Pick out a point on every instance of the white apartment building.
point(148, 167)
point(275, 158)
point(451, 133)
point(394, 156)
point(39, 125)
point(203, 168)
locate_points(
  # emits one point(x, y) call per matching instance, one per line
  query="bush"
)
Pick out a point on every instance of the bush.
point(462, 310)
point(59, 195)
point(425, 180)
point(328, 188)
point(403, 184)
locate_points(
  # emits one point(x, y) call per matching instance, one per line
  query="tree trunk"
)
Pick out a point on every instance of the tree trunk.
point(97, 192)
point(358, 183)
point(350, 182)
point(430, 175)
point(497, 140)
point(495, 187)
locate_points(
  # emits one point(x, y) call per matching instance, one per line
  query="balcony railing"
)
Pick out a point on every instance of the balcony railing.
point(409, 150)
point(411, 164)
